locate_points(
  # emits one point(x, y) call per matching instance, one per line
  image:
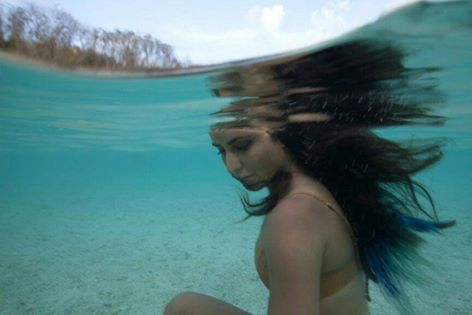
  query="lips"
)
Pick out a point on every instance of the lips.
point(244, 179)
point(252, 186)
point(249, 182)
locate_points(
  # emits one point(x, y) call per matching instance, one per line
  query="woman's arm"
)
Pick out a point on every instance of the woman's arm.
point(294, 243)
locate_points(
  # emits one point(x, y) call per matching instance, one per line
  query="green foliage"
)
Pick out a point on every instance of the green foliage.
point(54, 36)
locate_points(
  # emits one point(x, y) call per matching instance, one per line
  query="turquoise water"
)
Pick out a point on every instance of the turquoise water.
point(112, 199)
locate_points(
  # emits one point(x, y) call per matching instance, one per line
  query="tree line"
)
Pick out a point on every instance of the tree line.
point(55, 36)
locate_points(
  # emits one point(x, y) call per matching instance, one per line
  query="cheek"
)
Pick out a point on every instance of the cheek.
point(268, 160)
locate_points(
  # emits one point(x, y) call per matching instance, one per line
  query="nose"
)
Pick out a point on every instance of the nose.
point(233, 165)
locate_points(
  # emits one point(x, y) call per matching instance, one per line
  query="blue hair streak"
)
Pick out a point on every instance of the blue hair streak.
point(393, 260)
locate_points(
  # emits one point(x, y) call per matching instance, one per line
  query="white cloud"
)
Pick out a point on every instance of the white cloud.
point(204, 48)
point(330, 20)
point(253, 14)
point(271, 18)
point(344, 5)
point(228, 36)
point(398, 3)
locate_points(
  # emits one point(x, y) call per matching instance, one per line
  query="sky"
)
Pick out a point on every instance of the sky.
point(214, 31)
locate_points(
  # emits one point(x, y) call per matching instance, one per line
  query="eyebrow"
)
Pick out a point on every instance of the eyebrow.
point(232, 140)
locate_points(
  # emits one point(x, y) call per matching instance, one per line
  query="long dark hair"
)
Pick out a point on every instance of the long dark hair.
point(356, 87)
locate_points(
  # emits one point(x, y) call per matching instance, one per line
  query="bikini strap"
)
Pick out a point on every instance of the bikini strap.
point(326, 203)
point(332, 208)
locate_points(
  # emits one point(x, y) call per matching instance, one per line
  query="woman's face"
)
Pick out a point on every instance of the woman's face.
point(251, 155)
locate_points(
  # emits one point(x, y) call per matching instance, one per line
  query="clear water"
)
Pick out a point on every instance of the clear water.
point(112, 200)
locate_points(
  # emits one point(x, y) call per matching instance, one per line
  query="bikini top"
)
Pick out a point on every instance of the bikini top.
point(346, 273)
point(332, 208)
point(327, 204)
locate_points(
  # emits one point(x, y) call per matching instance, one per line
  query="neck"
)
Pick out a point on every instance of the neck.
point(293, 179)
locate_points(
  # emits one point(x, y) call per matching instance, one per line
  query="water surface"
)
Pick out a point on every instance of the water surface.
point(112, 199)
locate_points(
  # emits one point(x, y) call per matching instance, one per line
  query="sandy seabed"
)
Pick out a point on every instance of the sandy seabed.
point(130, 251)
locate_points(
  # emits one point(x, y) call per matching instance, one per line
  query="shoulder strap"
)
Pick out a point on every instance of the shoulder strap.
point(326, 203)
point(330, 207)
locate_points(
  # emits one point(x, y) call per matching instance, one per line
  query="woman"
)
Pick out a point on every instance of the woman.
point(342, 206)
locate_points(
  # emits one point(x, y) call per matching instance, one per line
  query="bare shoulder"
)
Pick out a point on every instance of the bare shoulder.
point(302, 218)
point(294, 243)
point(302, 211)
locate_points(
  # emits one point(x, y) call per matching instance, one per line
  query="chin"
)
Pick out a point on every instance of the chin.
point(253, 187)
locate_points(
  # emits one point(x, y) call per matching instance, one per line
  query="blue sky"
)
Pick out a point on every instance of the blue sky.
point(213, 31)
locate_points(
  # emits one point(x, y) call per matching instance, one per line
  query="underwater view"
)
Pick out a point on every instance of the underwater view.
point(113, 199)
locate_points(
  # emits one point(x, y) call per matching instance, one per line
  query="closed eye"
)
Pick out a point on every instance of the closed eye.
point(237, 145)
point(242, 146)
